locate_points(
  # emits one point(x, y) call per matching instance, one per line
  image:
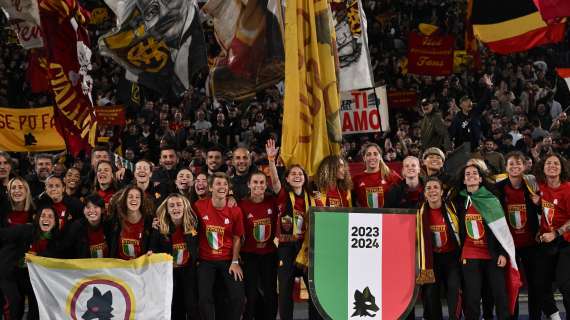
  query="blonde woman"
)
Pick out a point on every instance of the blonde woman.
point(177, 235)
point(333, 184)
point(371, 186)
point(19, 203)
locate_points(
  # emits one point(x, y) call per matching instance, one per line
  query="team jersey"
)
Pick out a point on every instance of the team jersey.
point(441, 235)
point(97, 243)
point(475, 245)
point(217, 230)
point(516, 212)
point(130, 240)
point(180, 252)
point(259, 220)
point(370, 188)
point(334, 198)
point(61, 214)
point(555, 208)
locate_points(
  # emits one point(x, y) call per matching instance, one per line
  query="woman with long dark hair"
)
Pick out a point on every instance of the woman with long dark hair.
point(258, 253)
point(66, 207)
point(200, 189)
point(131, 216)
point(39, 238)
point(184, 182)
point(554, 234)
point(89, 236)
point(333, 184)
point(486, 248)
point(105, 184)
point(177, 235)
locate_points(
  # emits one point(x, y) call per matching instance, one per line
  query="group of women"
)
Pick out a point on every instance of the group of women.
point(229, 256)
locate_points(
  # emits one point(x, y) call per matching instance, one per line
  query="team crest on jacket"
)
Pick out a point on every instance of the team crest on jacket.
point(548, 211)
point(474, 226)
point(261, 230)
point(439, 236)
point(215, 236)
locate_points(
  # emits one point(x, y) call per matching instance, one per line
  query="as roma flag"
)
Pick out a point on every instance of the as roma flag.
point(509, 26)
point(363, 262)
point(68, 60)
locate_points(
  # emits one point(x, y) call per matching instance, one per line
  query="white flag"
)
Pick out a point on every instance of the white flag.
point(24, 19)
point(102, 288)
point(352, 43)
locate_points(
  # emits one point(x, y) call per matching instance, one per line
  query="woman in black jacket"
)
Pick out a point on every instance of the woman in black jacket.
point(483, 258)
point(40, 238)
point(88, 236)
point(66, 207)
point(131, 223)
point(177, 235)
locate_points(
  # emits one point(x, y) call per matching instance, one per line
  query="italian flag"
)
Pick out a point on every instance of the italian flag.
point(437, 241)
point(179, 256)
point(492, 212)
point(97, 253)
point(363, 257)
point(475, 229)
point(516, 219)
point(261, 232)
point(214, 240)
point(373, 200)
point(129, 249)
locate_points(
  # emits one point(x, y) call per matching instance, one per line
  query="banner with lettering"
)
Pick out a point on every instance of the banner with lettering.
point(402, 98)
point(111, 116)
point(29, 130)
point(364, 111)
point(430, 55)
point(24, 19)
point(68, 59)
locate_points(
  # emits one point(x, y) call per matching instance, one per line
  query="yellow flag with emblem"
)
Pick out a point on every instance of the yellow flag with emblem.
point(311, 122)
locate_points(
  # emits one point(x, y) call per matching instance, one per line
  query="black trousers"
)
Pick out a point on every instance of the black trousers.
point(185, 293)
point(553, 264)
point(477, 272)
point(448, 279)
point(16, 287)
point(286, 273)
point(208, 272)
point(260, 273)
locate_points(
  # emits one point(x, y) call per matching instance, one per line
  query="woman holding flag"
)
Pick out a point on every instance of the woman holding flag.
point(88, 237)
point(373, 184)
point(177, 235)
point(554, 235)
point(487, 246)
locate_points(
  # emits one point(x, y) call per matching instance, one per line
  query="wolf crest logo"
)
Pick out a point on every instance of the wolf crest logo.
point(99, 306)
point(364, 303)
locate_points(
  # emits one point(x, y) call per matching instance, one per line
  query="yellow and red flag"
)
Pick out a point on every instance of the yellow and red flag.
point(311, 121)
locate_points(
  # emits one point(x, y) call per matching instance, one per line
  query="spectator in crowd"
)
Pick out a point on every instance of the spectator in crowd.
point(43, 166)
point(433, 131)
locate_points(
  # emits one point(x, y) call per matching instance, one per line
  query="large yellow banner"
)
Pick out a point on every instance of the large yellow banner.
point(311, 119)
point(29, 130)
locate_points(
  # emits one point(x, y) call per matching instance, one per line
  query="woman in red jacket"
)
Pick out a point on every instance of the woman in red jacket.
point(554, 234)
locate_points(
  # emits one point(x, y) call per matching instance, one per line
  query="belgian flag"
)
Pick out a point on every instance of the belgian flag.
point(508, 26)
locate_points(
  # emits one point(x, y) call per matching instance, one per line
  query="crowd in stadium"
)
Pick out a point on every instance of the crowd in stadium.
point(199, 165)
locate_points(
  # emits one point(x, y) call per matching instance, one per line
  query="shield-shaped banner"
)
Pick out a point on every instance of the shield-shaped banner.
point(363, 262)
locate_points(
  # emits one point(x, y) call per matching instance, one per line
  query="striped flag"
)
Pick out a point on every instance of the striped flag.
point(438, 239)
point(72, 288)
point(215, 239)
point(261, 232)
point(509, 26)
point(374, 258)
point(374, 199)
point(492, 212)
point(179, 257)
point(475, 228)
point(553, 9)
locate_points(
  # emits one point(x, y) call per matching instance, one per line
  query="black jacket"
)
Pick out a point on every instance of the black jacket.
point(397, 197)
point(160, 243)
point(467, 128)
point(76, 242)
point(495, 248)
point(15, 242)
point(115, 233)
point(74, 207)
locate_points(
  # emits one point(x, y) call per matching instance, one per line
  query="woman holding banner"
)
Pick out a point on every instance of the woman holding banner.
point(88, 237)
point(373, 184)
point(483, 254)
point(39, 238)
point(554, 234)
point(131, 214)
point(177, 235)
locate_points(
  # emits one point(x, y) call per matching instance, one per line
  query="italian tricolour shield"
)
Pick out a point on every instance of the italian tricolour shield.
point(261, 231)
point(363, 262)
point(517, 218)
point(375, 198)
point(215, 238)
